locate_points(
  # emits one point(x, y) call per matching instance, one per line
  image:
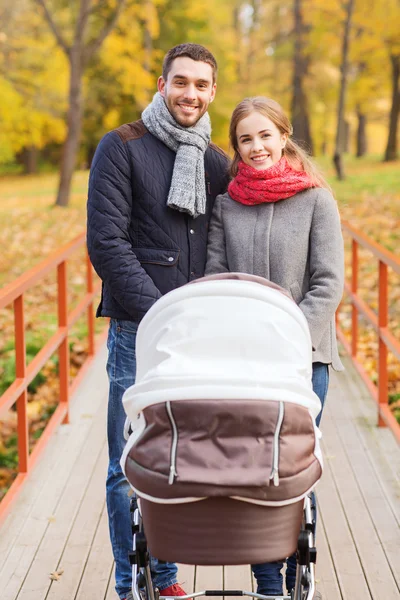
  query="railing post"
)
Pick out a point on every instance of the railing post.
point(63, 351)
point(383, 352)
point(90, 312)
point(20, 372)
point(354, 288)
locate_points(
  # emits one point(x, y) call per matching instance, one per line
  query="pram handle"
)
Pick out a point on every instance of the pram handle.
point(225, 593)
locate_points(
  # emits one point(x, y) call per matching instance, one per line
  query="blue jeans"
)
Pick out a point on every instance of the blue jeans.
point(268, 575)
point(121, 370)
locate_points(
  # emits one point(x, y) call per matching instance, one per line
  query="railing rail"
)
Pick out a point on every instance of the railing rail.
point(16, 393)
point(25, 373)
point(386, 340)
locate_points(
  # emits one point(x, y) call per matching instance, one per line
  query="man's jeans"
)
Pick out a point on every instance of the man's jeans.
point(268, 575)
point(121, 370)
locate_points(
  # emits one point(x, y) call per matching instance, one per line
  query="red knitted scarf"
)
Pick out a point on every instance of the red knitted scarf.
point(280, 181)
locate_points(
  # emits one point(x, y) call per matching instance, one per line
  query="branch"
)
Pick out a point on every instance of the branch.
point(95, 44)
point(60, 40)
point(84, 13)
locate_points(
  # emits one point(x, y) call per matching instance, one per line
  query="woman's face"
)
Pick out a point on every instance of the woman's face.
point(259, 141)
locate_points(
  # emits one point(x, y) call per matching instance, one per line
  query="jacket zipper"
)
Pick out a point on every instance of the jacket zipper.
point(275, 456)
point(174, 446)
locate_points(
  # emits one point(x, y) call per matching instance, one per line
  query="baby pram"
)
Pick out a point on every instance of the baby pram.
point(224, 449)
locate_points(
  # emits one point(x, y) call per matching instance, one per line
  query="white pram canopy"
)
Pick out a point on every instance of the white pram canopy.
point(223, 339)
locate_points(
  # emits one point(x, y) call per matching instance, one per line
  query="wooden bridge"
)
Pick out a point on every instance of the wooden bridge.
point(54, 542)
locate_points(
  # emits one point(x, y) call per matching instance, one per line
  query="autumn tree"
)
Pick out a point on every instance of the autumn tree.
point(32, 87)
point(344, 68)
point(299, 105)
point(391, 147)
point(87, 26)
point(392, 43)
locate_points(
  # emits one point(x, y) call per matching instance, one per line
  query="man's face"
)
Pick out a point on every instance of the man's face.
point(188, 90)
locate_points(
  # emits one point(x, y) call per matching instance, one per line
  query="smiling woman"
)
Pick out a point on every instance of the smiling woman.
point(259, 148)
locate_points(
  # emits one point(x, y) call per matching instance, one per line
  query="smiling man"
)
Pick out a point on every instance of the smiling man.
point(151, 192)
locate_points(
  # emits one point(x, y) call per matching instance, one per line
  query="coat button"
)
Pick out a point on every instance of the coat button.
point(191, 231)
point(170, 258)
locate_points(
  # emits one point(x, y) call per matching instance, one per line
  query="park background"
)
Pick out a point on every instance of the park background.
point(71, 71)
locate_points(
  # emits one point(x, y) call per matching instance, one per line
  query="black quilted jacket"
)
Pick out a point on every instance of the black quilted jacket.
point(140, 248)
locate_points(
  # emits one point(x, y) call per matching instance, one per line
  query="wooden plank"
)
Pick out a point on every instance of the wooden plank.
point(22, 555)
point(238, 577)
point(209, 578)
point(40, 476)
point(376, 503)
point(45, 471)
point(374, 563)
point(99, 566)
point(186, 574)
point(51, 548)
point(325, 575)
point(347, 564)
point(379, 443)
point(80, 540)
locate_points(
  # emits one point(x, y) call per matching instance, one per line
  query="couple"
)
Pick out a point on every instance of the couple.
point(166, 206)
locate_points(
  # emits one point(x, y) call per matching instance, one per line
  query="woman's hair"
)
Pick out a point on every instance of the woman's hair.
point(296, 156)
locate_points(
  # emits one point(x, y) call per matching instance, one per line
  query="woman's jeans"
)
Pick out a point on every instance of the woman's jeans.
point(121, 370)
point(268, 575)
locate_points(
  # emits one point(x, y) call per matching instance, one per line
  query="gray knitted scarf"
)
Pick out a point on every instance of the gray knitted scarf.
point(188, 191)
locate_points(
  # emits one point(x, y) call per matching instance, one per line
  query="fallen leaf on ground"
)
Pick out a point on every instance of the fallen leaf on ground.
point(55, 575)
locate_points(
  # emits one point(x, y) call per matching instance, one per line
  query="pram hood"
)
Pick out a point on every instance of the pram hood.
point(223, 337)
point(223, 402)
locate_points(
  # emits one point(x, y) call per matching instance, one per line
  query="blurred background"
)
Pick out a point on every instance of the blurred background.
point(101, 60)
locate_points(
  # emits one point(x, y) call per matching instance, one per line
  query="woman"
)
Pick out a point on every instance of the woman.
point(279, 220)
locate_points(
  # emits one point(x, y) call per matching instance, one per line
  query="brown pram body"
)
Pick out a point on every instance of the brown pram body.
point(224, 449)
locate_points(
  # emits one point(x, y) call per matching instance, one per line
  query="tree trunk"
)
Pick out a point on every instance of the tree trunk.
point(340, 129)
point(74, 125)
point(391, 148)
point(361, 134)
point(79, 54)
point(91, 149)
point(238, 37)
point(300, 118)
point(346, 136)
point(29, 159)
point(148, 50)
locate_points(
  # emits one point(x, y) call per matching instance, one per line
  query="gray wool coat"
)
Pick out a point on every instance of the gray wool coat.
point(296, 243)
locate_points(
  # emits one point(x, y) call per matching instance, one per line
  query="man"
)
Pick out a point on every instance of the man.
point(152, 186)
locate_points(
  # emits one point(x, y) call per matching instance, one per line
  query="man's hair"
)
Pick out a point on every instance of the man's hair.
point(193, 51)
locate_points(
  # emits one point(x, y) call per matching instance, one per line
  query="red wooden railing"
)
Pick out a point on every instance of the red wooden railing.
point(17, 392)
point(25, 373)
point(386, 340)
